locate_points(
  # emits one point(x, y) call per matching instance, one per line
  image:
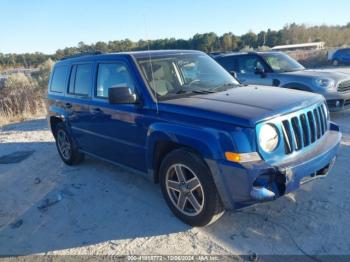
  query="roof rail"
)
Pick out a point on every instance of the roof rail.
point(82, 54)
point(218, 53)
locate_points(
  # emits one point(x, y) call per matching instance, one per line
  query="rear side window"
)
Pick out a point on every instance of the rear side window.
point(58, 82)
point(80, 81)
point(112, 75)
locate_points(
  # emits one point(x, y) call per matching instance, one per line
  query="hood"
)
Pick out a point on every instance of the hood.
point(243, 106)
point(319, 73)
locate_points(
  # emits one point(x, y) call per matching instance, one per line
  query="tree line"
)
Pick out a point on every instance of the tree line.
point(333, 36)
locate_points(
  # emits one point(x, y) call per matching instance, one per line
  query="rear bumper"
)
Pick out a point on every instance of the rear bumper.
point(338, 101)
point(236, 182)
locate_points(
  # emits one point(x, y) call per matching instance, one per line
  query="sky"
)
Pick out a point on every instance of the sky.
point(45, 26)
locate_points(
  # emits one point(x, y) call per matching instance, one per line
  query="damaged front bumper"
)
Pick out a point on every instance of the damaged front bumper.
point(243, 185)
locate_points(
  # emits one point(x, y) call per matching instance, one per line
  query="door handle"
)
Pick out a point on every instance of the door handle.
point(68, 105)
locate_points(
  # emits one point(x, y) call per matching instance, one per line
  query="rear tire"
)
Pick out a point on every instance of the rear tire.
point(66, 146)
point(188, 188)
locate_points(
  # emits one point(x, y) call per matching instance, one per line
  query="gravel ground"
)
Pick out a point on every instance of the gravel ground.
point(96, 208)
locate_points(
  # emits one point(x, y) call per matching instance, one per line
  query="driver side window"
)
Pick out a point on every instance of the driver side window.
point(112, 75)
point(249, 64)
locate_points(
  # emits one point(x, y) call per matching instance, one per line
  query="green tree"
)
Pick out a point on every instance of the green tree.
point(249, 39)
point(228, 42)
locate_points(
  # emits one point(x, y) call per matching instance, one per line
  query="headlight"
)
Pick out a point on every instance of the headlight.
point(325, 83)
point(268, 138)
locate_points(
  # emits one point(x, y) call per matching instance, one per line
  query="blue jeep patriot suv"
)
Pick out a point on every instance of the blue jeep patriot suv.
point(181, 119)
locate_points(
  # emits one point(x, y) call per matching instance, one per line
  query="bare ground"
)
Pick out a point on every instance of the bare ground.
point(97, 208)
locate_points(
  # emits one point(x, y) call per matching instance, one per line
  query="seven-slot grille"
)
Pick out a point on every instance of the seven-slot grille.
point(304, 129)
point(344, 86)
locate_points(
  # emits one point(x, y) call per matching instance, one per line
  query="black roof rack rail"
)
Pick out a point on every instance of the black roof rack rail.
point(82, 54)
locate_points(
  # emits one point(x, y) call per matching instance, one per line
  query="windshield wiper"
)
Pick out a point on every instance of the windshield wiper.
point(224, 87)
point(291, 70)
point(181, 91)
point(207, 91)
point(201, 91)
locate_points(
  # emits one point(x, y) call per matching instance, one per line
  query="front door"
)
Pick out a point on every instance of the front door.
point(119, 131)
point(252, 70)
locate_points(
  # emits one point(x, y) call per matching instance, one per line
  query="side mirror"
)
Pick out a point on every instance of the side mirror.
point(121, 95)
point(233, 73)
point(260, 71)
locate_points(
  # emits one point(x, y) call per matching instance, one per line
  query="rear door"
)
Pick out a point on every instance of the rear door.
point(78, 103)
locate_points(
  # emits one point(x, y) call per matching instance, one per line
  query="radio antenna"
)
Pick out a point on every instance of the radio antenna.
point(151, 65)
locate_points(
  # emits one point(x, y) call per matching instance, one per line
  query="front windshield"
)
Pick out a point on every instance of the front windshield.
point(182, 74)
point(280, 62)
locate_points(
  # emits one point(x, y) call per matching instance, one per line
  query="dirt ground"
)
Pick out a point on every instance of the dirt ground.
point(96, 208)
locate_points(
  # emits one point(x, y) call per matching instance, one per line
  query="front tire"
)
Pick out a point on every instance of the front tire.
point(335, 62)
point(189, 189)
point(66, 146)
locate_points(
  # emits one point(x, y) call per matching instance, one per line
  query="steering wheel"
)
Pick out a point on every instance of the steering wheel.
point(193, 82)
point(178, 89)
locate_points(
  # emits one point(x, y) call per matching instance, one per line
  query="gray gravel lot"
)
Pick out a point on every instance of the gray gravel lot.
point(96, 208)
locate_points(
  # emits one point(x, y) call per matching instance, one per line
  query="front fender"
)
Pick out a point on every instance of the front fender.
point(209, 143)
point(204, 141)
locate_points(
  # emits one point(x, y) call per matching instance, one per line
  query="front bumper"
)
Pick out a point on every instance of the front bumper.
point(338, 101)
point(235, 182)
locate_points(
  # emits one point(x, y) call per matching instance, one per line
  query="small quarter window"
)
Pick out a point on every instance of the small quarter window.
point(58, 82)
point(112, 75)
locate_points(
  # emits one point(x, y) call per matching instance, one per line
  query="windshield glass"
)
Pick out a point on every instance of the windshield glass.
point(282, 63)
point(180, 74)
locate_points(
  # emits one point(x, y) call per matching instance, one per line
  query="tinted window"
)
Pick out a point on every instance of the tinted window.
point(346, 51)
point(80, 80)
point(112, 75)
point(229, 63)
point(248, 64)
point(342, 52)
point(58, 81)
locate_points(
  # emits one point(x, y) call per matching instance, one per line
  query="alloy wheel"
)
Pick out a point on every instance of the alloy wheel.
point(64, 144)
point(185, 190)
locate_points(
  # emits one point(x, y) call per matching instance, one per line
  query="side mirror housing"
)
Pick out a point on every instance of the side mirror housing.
point(121, 95)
